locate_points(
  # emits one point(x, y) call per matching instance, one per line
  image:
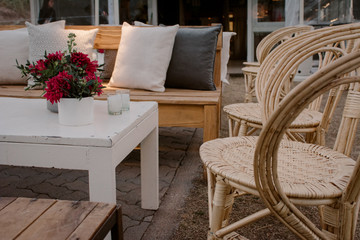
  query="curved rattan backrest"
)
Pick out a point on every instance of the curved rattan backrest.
point(272, 40)
point(342, 71)
point(275, 73)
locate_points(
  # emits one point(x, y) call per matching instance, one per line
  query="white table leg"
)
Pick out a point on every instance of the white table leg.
point(150, 171)
point(102, 180)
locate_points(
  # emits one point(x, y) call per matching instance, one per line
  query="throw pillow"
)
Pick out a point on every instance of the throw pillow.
point(55, 39)
point(192, 61)
point(143, 57)
point(14, 45)
point(225, 55)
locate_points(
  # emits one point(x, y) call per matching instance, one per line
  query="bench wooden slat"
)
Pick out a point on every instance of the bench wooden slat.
point(18, 91)
point(177, 100)
point(93, 221)
point(26, 218)
point(169, 92)
point(170, 96)
point(59, 221)
point(19, 214)
point(11, 27)
point(5, 201)
point(181, 116)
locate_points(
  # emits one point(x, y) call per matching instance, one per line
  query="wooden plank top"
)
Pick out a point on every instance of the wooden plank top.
point(170, 96)
point(25, 218)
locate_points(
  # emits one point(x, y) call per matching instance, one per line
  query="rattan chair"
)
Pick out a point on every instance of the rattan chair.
point(285, 172)
point(265, 46)
point(331, 177)
point(245, 118)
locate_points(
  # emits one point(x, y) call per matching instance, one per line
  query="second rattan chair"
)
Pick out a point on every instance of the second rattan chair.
point(245, 118)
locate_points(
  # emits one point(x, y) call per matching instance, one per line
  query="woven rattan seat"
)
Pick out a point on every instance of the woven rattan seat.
point(250, 112)
point(305, 170)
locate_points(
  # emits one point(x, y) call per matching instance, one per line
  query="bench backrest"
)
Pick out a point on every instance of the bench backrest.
point(108, 37)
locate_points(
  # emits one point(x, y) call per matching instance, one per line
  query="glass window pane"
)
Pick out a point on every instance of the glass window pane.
point(356, 8)
point(79, 12)
point(104, 11)
point(258, 36)
point(332, 11)
point(326, 12)
point(133, 10)
point(271, 11)
point(14, 12)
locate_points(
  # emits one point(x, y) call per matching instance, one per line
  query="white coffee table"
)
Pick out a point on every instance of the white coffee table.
point(30, 135)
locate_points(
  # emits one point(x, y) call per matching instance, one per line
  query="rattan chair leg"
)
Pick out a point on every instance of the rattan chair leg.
point(311, 137)
point(236, 128)
point(222, 202)
point(249, 79)
point(211, 188)
point(351, 213)
point(243, 129)
point(233, 127)
point(330, 219)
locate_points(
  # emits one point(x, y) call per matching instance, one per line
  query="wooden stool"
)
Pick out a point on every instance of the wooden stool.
point(26, 218)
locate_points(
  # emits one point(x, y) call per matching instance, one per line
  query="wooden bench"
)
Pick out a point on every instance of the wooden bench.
point(177, 107)
point(26, 218)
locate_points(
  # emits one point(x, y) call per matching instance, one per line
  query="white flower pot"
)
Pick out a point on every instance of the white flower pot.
point(75, 112)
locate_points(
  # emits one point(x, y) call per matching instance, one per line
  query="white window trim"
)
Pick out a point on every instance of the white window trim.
point(34, 9)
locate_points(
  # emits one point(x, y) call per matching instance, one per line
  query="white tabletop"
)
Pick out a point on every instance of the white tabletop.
point(28, 121)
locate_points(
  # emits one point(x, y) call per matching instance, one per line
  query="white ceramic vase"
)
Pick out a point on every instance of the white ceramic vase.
point(75, 112)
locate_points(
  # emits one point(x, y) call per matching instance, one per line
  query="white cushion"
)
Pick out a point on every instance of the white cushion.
point(225, 54)
point(143, 57)
point(14, 45)
point(55, 39)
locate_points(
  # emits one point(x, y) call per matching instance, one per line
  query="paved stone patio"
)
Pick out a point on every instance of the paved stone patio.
point(73, 184)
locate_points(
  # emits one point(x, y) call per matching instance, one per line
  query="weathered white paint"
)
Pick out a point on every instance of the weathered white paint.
point(30, 135)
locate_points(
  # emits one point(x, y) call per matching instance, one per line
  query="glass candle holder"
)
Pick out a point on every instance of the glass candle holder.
point(114, 102)
point(125, 97)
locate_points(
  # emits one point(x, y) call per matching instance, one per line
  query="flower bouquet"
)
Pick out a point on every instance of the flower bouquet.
point(68, 78)
point(68, 74)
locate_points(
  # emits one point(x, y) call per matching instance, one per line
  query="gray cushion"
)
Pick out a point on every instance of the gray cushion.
point(192, 62)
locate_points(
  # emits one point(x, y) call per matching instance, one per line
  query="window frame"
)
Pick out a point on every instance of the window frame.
point(114, 15)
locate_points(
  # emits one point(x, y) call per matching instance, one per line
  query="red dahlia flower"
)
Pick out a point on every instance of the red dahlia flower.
point(58, 87)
